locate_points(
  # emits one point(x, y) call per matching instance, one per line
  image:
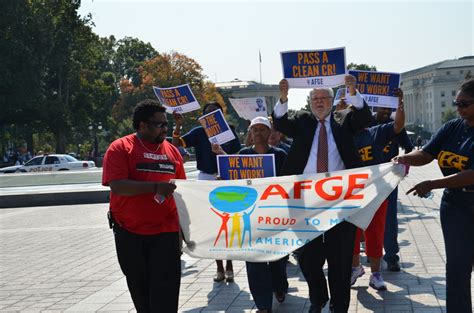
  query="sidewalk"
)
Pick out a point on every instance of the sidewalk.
point(62, 258)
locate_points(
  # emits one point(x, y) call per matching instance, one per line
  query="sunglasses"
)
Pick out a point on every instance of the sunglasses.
point(463, 103)
point(158, 124)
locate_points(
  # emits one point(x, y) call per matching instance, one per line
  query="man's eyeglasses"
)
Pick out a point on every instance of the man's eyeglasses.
point(320, 98)
point(463, 103)
point(158, 124)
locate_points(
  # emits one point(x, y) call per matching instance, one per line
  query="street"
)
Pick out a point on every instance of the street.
point(62, 258)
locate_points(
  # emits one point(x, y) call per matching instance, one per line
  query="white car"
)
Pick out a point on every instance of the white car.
point(50, 162)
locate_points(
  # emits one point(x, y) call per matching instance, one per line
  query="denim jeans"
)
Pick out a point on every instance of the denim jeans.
point(264, 279)
point(457, 222)
point(390, 242)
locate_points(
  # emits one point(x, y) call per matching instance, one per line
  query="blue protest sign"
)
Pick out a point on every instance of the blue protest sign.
point(314, 68)
point(238, 166)
point(378, 88)
point(216, 127)
point(178, 99)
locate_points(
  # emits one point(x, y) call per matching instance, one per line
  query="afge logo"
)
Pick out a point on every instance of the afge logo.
point(366, 153)
point(234, 204)
point(447, 159)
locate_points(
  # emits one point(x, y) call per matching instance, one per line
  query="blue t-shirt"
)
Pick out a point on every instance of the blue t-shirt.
point(453, 147)
point(206, 159)
point(280, 156)
point(371, 142)
point(400, 140)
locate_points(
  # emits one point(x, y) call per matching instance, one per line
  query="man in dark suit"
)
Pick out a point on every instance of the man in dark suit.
point(323, 142)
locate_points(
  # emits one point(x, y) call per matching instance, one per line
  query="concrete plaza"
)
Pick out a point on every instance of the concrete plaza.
point(62, 259)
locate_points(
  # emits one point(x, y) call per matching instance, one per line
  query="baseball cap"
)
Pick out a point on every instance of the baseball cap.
point(261, 120)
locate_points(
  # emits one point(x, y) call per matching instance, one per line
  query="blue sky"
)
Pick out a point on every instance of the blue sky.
point(225, 37)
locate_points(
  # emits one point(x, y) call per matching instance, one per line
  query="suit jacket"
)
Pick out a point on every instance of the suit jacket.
point(302, 127)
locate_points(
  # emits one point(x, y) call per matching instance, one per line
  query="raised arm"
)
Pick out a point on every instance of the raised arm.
point(281, 122)
point(399, 113)
point(178, 120)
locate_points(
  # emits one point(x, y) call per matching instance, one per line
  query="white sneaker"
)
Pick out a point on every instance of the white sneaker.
point(357, 272)
point(376, 281)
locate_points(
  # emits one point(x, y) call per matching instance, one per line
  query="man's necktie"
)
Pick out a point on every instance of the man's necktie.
point(322, 157)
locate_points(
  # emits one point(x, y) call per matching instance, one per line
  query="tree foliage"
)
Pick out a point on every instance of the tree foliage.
point(59, 78)
point(361, 67)
point(166, 70)
point(449, 114)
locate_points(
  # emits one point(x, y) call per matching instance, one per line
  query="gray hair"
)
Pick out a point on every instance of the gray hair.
point(329, 91)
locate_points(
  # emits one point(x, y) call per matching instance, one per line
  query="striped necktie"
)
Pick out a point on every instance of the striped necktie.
point(322, 157)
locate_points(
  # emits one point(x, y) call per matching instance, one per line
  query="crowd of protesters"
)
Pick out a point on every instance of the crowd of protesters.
point(143, 212)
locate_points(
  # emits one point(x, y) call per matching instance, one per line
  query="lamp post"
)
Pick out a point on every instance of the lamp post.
point(94, 128)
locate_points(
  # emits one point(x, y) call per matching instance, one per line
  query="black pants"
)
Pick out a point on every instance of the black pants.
point(152, 267)
point(457, 221)
point(336, 247)
point(265, 278)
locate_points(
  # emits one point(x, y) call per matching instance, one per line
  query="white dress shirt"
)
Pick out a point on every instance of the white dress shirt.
point(335, 161)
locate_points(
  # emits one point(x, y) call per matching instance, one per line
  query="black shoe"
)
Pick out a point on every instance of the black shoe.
point(393, 266)
point(316, 309)
point(280, 296)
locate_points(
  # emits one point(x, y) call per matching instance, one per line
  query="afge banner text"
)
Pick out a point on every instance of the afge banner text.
point(265, 219)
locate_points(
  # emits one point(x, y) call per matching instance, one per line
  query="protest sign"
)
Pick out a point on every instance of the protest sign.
point(216, 127)
point(178, 99)
point(378, 88)
point(261, 220)
point(314, 68)
point(243, 166)
point(249, 108)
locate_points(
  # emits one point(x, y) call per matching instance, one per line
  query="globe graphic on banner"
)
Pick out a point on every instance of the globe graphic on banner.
point(232, 199)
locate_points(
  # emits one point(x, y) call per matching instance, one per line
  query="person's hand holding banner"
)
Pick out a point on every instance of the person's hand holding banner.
point(217, 149)
point(284, 87)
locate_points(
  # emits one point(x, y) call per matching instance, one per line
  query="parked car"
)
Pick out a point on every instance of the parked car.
point(50, 162)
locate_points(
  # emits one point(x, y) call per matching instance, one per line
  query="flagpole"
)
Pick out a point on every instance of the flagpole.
point(260, 64)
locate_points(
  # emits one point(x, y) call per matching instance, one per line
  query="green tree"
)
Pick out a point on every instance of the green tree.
point(23, 47)
point(129, 56)
point(361, 67)
point(166, 70)
point(449, 114)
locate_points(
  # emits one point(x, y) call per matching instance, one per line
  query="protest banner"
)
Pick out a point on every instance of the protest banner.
point(178, 99)
point(244, 166)
point(249, 108)
point(314, 68)
point(261, 220)
point(378, 88)
point(216, 127)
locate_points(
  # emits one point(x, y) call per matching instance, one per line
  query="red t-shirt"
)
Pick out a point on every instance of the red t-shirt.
point(126, 158)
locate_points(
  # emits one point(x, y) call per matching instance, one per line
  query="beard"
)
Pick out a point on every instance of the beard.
point(160, 138)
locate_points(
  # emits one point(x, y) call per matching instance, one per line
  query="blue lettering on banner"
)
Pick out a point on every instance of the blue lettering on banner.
point(313, 221)
point(294, 242)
